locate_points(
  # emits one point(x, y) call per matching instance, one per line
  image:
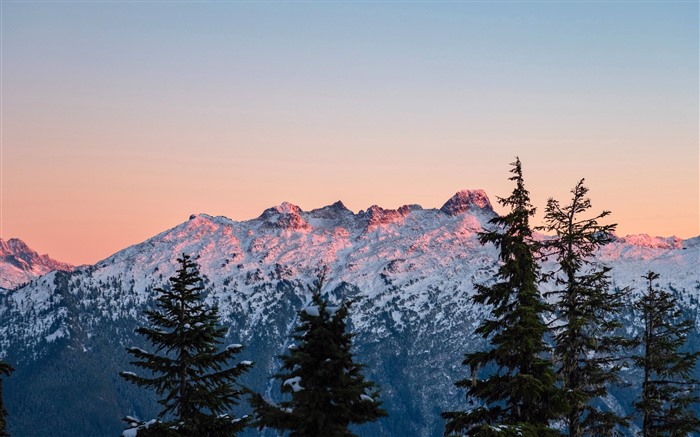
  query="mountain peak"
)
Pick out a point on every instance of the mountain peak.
point(285, 216)
point(334, 211)
point(282, 208)
point(376, 215)
point(201, 217)
point(467, 200)
point(339, 205)
point(288, 208)
point(13, 246)
point(19, 263)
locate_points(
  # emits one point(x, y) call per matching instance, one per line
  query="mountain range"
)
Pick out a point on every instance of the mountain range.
point(411, 272)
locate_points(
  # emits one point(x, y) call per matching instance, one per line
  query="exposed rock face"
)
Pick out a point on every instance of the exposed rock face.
point(376, 215)
point(467, 200)
point(335, 211)
point(285, 216)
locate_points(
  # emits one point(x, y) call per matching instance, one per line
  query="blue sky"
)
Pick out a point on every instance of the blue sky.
point(154, 110)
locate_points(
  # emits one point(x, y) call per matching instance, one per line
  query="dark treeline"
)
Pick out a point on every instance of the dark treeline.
point(550, 360)
point(553, 361)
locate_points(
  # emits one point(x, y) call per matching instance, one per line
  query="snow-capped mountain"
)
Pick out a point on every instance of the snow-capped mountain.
point(410, 270)
point(20, 264)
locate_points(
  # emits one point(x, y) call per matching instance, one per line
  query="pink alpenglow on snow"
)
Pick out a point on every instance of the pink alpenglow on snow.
point(19, 263)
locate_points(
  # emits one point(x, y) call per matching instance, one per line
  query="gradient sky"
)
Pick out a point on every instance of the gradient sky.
point(119, 119)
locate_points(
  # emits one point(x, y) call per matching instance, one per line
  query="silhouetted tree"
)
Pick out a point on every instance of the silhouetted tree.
point(668, 390)
point(188, 367)
point(6, 370)
point(326, 387)
point(586, 345)
point(519, 397)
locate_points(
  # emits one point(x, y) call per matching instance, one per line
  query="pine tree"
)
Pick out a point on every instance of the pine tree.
point(5, 369)
point(327, 389)
point(668, 389)
point(585, 344)
point(519, 397)
point(187, 368)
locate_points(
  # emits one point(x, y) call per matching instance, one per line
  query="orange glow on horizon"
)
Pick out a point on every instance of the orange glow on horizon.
point(120, 119)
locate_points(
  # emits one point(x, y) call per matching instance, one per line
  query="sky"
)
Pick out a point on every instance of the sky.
point(120, 119)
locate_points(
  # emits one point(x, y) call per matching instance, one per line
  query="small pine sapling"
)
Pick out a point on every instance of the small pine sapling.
point(326, 387)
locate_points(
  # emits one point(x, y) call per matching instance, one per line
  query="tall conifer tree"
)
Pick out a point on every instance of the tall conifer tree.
point(326, 387)
point(668, 389)
point(188, 368)
point(519, 396)
point(585, 344)
point(5, 370)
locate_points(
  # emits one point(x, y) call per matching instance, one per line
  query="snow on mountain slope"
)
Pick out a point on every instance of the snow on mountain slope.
point(677, 261)
point(407, 247)
point(19, 264)
point(411, 271)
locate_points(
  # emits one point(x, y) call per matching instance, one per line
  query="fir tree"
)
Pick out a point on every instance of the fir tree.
point(668, 389)
point(188, 368)
point(6, 370)
point(519, 397)
point(586, 309)
point(327, 389)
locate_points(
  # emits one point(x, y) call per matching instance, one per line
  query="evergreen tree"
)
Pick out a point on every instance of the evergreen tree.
point(328, 391)
point(187, 367)
point(6, 370)
point(519, 397)
point(668, 389)
point(586, 309)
